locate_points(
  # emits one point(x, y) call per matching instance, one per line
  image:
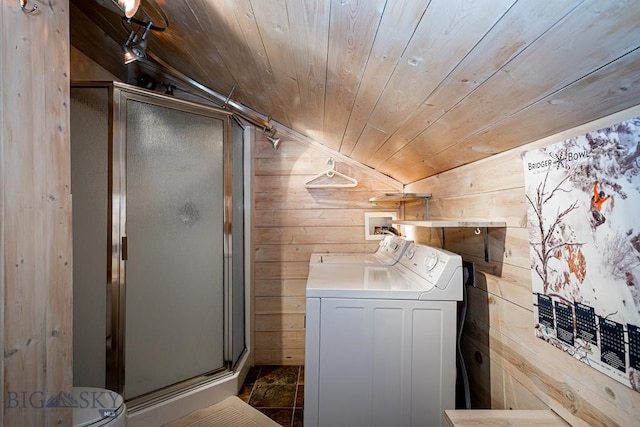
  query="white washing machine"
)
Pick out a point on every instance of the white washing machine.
point(381, 341)
point(389, 252)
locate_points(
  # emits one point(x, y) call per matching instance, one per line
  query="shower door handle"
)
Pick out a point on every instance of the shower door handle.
point(125, 254)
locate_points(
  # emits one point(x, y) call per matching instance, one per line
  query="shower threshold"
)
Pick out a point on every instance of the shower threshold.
point(179, 400)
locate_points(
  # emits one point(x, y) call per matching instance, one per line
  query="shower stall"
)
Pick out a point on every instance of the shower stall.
point(158, 187)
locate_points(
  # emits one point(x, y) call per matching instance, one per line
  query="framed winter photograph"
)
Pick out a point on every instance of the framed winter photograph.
point(583, 208)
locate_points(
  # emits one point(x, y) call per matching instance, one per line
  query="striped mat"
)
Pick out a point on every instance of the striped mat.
point(231, 412)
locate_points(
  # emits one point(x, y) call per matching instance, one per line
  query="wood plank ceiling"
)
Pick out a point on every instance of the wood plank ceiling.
point(408, 87)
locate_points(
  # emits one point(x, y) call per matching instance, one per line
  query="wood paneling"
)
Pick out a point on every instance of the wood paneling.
point(427, 60)
point(410, 88)
point(84, 68)
point(395, 31)
point(279, 287)
point(509, 368)
point(290, 222)
point(353, 26)
point(301, 253)
point(96, 45)
point(510, 36)
point(528, 418)
point(280, 322)
point(35, 214)
point(280, 304)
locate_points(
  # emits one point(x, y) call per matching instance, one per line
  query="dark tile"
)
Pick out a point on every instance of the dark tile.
point(252, 375)
point(245, 392)
point(278, 375)
point(280, 415)
point(298, 416)
point(300, 397)
point(301, 376)
point(273, 395)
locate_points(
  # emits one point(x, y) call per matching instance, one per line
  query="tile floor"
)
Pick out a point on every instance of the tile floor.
point(276, 391)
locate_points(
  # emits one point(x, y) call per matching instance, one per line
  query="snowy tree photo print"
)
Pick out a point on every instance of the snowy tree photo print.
point(583, 207)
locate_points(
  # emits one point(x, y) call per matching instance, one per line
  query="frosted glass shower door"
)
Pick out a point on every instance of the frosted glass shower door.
point(175, 222)
point(90, 190)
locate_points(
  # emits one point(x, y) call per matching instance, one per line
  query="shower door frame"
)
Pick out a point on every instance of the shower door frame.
point(116, 280)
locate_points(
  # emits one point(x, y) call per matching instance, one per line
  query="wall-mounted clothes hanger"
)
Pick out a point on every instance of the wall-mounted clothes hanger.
point(323, 179)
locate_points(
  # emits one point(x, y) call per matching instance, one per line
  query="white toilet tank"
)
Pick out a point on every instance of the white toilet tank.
point(97, 407)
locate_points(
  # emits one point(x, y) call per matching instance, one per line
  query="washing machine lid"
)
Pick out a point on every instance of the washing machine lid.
point(424, 273)
point(95, 406)
point(363, 281)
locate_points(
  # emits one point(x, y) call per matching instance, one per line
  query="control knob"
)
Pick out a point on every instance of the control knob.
point(432, 261)
point(410, 252)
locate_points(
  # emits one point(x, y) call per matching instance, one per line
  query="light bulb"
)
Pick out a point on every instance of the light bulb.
point(130, 7)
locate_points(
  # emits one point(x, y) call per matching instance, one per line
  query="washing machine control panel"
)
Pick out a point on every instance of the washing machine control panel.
point(435, 265)
point(392, 247)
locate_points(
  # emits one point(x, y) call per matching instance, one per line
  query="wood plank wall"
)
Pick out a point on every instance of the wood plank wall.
point(86, 37)
point(35, 213)
point(508, 367)
point(289, 223)
point(84, 68)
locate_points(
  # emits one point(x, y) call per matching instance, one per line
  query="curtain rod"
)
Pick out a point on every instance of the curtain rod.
point(225, 101)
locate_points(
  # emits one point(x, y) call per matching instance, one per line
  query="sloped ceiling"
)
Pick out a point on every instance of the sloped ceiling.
point(408, 87)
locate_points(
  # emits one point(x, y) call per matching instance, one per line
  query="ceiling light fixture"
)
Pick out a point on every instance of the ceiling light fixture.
point(129, 7)
point(135, 49)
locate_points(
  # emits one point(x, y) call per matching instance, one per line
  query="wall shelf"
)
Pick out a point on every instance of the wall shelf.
point(403, 197)
point(445, 222)
point(400, 197)
point(442, 223)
